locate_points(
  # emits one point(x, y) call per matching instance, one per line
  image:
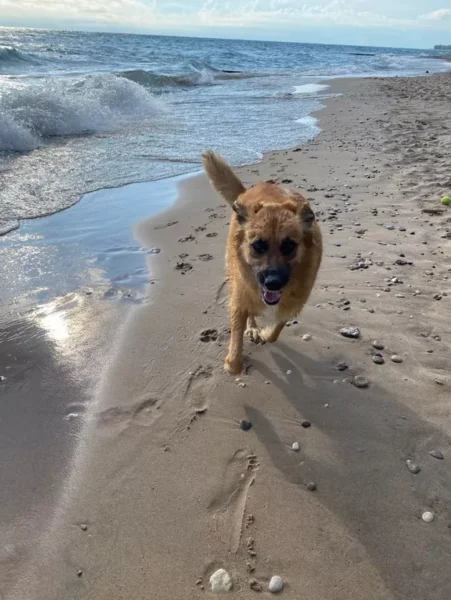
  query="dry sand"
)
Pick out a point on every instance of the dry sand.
point(165, 486)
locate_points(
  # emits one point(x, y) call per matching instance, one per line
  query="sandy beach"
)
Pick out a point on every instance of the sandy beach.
point(162, 487)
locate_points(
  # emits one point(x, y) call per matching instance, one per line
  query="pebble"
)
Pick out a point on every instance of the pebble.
point(2, 378)
point(276, 584)
point(436, 454)
point(221, 581)
point(390, 227)
point(295, 446)
point(360, 381)
point(84, 527)
point(378, 359)
point(306, 337)
point(350, 332)
point(306, 424)
point(396, 359)
point(342, 366)
point(378, 345)
point(79, 573)
point(413, 466)
point(255, 585)
point(289, 372)
point(427, 516)
point(245, 425)
point(311, 486)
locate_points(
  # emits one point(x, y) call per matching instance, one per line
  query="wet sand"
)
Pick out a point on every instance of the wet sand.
point(164, 487)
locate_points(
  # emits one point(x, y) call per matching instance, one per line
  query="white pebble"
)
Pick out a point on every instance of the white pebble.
point(276, 584)
point(427, 516)
point(221, 581)
point(289, 372)
point(295, 446)
point(306, 337)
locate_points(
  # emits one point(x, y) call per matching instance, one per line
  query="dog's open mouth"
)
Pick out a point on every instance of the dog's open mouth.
point(271, 298)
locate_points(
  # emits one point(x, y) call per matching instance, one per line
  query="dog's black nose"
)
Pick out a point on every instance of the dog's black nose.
point(276, 279)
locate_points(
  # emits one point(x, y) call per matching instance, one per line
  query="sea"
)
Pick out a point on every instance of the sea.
point(84, 111)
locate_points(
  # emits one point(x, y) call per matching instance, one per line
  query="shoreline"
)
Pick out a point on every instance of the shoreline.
point(170, 470)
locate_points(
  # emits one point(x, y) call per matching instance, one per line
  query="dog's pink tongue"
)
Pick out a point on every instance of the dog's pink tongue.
point(272, 297)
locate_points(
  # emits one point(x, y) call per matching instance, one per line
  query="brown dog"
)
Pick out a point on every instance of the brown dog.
point(273, 255)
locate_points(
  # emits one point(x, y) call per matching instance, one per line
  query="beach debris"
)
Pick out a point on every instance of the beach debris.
point(446, 200)
point(378, 359)
point(360, 381)
point(413, 466)
point(311, 486)
point(306, 337)
point(245, 425)
point(350, 332)
point(295, 446)
point(221, 581)
point(276, 584)
point(428, 516)
point(436, 454)
point(396, 359)
point(377, 345)
point(342, 366)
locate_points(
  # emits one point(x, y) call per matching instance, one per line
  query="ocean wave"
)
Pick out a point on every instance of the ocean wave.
point(10, 57)
point(30, 113)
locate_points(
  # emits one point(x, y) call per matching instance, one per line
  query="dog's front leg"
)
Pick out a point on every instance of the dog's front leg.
point(234, 361)
point(271, 334)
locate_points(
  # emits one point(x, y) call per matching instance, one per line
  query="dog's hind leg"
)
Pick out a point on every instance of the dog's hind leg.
point(234, 361)
point(271, 334)
point(253, 331)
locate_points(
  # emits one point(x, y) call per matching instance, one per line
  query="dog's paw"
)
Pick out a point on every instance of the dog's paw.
point(233, 367)
point(256, 335)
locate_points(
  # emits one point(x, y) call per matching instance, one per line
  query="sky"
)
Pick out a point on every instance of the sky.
point(400, 23)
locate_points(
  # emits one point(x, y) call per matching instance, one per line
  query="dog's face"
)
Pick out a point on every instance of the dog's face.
point(275, 235)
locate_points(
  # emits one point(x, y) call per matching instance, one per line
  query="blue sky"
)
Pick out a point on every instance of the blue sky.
point(408, 23)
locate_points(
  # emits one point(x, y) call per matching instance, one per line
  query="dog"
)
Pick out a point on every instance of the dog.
point(274, 251)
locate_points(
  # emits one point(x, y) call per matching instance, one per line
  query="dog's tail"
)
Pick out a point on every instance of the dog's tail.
point(222, 177)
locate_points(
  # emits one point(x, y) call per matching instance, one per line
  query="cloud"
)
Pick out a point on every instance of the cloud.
point(442, 14)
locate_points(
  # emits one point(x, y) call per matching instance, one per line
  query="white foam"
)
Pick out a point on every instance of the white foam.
point(55, 107)
point(310, 88)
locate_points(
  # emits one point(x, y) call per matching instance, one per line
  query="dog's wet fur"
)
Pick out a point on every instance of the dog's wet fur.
point(273, 255)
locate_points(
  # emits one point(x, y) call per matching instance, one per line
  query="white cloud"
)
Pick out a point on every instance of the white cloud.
point(442, 14)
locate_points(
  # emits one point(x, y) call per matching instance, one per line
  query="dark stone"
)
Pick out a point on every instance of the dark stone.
point(245, 425)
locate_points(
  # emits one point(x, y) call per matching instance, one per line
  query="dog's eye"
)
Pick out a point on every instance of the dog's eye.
point(288, 246)
point(260, 246)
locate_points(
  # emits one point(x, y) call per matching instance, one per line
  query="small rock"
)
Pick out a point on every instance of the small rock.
point(79, 573)
point(2, 378)
point(342, 366)
point(413, 466)
point(295, 446)
point(306, 337)
point(378, 359)
point(306, 424)
point(390, 227)
point(84, 527)
point(221, 581)
point(427, 516)
point(276, 584)
point(436, 454)
point(311, 486)
point(396, 359)
point(437, 296)
point(350, 332)
point(245, 425)
point(377, 345)
point(360, 381)
point(289, 372)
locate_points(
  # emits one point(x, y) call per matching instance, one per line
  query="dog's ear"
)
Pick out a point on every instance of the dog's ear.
point(307, 217)
point(240, 211)
point(222, 177)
